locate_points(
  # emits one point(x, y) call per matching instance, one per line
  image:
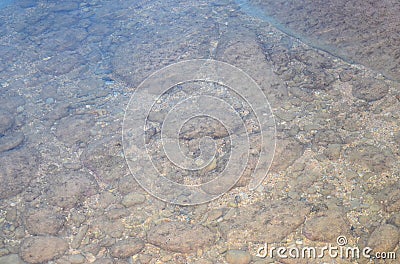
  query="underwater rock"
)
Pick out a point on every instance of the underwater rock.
point(63, 39)
point(384, 238)
point(180, 237)
point(11, 259)
point(287, 151)
point(133, 198)
point(39, 249)
point(327, 137)
point(60, 64)
point(111, 227)
point(392, 199)
point(18, 168)
point(238, 257)
point(268, 221)
point(11, 141)
point(364, 32)
point(371, 157)
point(105, 158)
point(6, 121)
point(10, 102)
point(44, 221)
point(75, 129)
point(333, 151)
point(370, 89)
point(126, 248)
point(326, 227)
point(66, 189)
point(80, 235)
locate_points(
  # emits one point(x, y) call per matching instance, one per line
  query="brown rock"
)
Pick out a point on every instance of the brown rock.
point(286, 153)
point(326, 137)
point(74, 129)
point(384, 238)
point(70, 188)
point(113, 228)
point(42, 248)
point(18, 167)
point(11, 259)
point(180, 237)
point(391, 199)
point(132, 199)
point(105, 158)
point(104, 261)
point(127, 248)
point(44, 221)
point(76, 242)
point(371, 157)
point(370, 90)
point(326, 227)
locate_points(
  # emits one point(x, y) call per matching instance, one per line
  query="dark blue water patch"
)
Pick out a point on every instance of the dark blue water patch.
point(5, 3)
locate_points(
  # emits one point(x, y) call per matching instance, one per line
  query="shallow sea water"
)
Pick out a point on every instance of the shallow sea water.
point(141, 131)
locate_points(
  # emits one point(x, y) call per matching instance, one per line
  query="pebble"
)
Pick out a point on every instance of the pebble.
point(11, 259)
point(11, 215)
point(215, 214)
point(133, 199)
point(76, 259)
point(76, 242)
point(19, 232)
point(104, 261)
point(60, 64)
point(203, 261)
point(275, 221)
point(127, 248)
point(145, 258)
point(4, 251)
point(49, 100)
point(333, 151)
point(325, 137)
point(395, 219)
point(20, 109)
point(393, 199)
point(237, 257)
